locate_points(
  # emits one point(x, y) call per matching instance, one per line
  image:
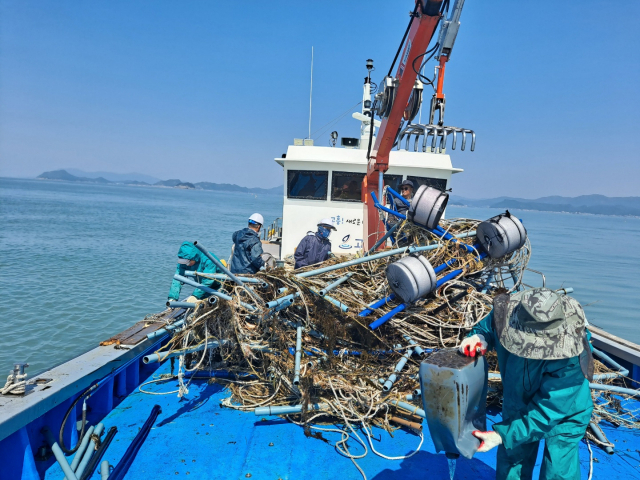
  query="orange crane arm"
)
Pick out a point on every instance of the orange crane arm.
point(422, 29)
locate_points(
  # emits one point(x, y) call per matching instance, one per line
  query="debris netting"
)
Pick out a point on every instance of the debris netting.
point(342, 383)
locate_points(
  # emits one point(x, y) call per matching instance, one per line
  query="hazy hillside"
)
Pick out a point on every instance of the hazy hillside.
point(132, 178)
point(67, 177)
point(596, 204)
point(64, 175)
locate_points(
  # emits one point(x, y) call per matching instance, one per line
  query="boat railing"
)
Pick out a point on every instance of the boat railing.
point(273, 233)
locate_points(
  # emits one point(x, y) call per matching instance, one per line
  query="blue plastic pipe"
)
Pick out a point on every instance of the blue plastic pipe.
point(218, 264)
point(181, 305)
point(446, 264)
point(288, 300)
point(83, 446)
point(283, 305)
point(166, 329)
point(279, 301)
point(223, 277)
point(104, 470)
point(383, 239)
point(158, 357)
point(89, 451)
point(447, 277)
point(335, 284)
point(62, 461)
point(447, 236)
point(220, 374)
point(565, 291)
point(379, 206)
point(286, 409)
point(313, 333)
point(487, 284)
point(626, 391)
point(393, 377)
point(408, 407)
point(385, 318)
point(210, 291)
point(593, 386)
point(377, 304)
point(622, 372)
point(417, 349)
point(354, 353)
point(296, 378)
point(437, 230)
point(370, 258)
point(398, 196)
point(337, 303)
point(599, 434)
point(59, 454)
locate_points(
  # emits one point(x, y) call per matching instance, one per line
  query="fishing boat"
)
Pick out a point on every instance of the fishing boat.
point(119, 384)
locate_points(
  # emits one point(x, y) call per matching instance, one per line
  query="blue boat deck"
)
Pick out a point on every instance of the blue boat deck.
point(198, 438)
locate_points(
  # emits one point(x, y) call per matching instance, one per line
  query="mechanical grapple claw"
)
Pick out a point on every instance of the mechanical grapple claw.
point(438, 135)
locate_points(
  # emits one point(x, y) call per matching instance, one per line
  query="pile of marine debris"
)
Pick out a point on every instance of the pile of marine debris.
point(341, 342)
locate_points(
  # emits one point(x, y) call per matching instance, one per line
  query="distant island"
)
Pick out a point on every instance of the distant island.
point(594, 204)
point(63, 175)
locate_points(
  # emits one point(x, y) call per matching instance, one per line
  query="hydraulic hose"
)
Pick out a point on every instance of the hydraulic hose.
point(84, 421)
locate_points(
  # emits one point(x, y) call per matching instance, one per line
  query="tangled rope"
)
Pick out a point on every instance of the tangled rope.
point(344, 363)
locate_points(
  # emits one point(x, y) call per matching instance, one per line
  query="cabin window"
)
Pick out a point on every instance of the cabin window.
point(307, 184)
point(346, 186)
point(393, 181)
point(439, 183)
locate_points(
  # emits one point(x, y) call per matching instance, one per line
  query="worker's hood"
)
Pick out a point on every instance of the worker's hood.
point(244, 235)
point(188, 251)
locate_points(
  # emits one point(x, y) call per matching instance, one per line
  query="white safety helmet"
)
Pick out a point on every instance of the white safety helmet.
point(256, 218)
point(327, 222)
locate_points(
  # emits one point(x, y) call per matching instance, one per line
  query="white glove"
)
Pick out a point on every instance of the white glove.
point(191, 299)
point(472, 345)
point(488, 440)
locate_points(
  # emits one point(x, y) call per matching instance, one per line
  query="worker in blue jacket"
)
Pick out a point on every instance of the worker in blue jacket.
point(315, 247)
point(545, 361)
point(247, 247)
point(190, 258)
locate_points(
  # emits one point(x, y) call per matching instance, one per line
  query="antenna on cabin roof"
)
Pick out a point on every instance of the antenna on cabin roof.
point(311, 93)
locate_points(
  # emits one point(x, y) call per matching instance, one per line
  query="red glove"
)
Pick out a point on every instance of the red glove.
point(488, 440)
point(472, 345)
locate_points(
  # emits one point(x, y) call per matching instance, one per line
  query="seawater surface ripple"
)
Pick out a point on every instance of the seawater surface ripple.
point(81, 262)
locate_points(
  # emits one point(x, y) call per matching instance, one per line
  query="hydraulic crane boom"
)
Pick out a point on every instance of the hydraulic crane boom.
point(423, 26)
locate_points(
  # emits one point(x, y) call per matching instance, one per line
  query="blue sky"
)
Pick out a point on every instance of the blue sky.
point(210, 90)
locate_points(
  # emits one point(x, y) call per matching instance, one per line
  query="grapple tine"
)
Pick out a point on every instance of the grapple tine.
point(464, 140)
point(443, 142)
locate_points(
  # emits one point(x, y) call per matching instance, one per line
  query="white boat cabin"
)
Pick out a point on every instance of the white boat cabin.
point(321, 182)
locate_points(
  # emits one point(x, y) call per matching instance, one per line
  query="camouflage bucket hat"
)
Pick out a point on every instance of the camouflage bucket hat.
point(544, 325)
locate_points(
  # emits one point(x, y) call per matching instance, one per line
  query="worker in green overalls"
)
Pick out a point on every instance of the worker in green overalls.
point(546, 365)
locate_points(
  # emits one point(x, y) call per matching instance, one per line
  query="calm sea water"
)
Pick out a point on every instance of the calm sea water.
point(82, 262)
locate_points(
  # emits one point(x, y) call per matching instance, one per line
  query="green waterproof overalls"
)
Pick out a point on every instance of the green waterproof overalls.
point(543, 399)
